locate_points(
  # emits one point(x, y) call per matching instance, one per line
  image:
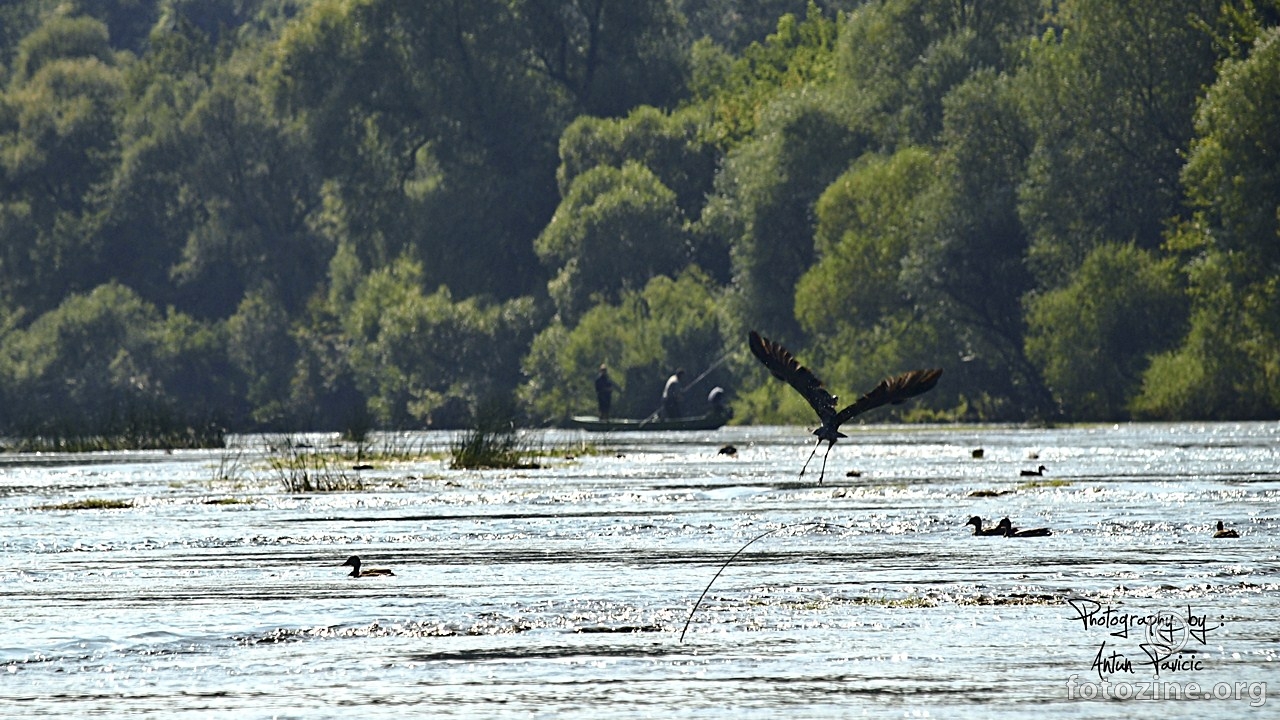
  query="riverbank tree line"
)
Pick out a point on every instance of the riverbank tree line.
point(349, 214)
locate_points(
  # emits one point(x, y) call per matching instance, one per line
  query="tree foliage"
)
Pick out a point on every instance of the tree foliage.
point(1094, 337)
point(347, 213)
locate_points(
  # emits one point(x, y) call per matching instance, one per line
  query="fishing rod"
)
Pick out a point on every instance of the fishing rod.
point(714, 365)
point(653, 415)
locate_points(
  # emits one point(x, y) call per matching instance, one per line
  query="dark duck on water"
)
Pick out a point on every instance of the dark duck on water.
point(785, 367)
point(978, 530)
point(354, 563)
point(1010, 531)
point(1222, 532)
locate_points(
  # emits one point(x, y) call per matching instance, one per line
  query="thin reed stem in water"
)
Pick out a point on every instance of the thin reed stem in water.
point(739, 552)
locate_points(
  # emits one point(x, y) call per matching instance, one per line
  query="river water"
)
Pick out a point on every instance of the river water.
point(563, 591)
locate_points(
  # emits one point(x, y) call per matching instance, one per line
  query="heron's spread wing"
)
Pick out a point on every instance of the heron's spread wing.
point(892, 390)
point(784, 366)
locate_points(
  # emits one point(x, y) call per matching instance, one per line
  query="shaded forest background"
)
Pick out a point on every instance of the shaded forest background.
point(344, 214)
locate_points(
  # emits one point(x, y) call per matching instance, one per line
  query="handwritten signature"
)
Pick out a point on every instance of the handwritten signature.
point(1163, 637)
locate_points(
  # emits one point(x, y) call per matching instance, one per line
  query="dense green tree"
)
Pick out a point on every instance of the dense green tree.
point(353, 207)
point(864, 318)
point(62, 37)
point(763, 205)
point(669, 145)
point(1229, 364)
point(432, 139)
point(1094, 337)
point(17, 20)
point(900, 58)
point(1109, 98)
point(609, 55)
point(214, 190)
point(865, 231)
point(251, 192)
point(150, 202)
point(735, 24)
point(108, 362)
point(438, 121)
point(616, 229)
point(128, 22)
point(741, 90)
point(58, 125)
point(968, 266)
point(427, 360)
point(262, 347)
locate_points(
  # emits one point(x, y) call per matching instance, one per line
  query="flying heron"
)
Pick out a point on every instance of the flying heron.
point(784, 366)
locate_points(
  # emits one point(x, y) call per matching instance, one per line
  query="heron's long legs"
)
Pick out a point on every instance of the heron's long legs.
point(824, 460)
point(811, 454)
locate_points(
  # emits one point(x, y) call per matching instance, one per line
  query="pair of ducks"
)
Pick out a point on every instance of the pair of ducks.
point(1005, 528)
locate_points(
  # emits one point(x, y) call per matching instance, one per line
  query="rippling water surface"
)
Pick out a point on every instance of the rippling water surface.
point(563, 591)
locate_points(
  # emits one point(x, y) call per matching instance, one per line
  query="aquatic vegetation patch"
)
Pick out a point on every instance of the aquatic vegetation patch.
point(1047, 483)
point(229, 501)
point(90, 504)
point(182, 438)
point(231, 468)
point(409, 629)
point(300, 468)
point(983, 600)
point(492, 444)
point(910, 601)
point(385, 451)
point(622, 629)
point(989, 493)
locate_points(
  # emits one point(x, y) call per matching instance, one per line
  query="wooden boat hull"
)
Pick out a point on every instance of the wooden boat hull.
point(591, 423)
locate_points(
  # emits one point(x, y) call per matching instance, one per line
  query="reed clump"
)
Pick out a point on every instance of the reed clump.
point(301, 468)
point(134, 438)
point(493, 442)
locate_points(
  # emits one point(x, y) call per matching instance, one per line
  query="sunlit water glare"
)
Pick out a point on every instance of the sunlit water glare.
point(563, 591)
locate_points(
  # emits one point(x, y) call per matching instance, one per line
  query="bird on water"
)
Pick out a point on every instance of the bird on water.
point(1010, 531)
point(1034, 473)
point(976, 522)
point(1225, 533)
point(785, 367)
point(356, 572)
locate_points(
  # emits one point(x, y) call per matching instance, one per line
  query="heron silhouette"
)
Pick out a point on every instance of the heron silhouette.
point(784, 366)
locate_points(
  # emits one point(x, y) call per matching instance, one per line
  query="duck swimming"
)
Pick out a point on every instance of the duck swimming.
point(356, 572)
point(1225, 533)
point(1010, 531)
point(1034, 473)
point(976, 522)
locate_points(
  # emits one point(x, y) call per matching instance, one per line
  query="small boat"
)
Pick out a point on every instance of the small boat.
point(710, 421)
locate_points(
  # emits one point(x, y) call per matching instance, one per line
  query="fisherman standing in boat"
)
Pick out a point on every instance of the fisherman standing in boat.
point(604, 391)
point(671, 395)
